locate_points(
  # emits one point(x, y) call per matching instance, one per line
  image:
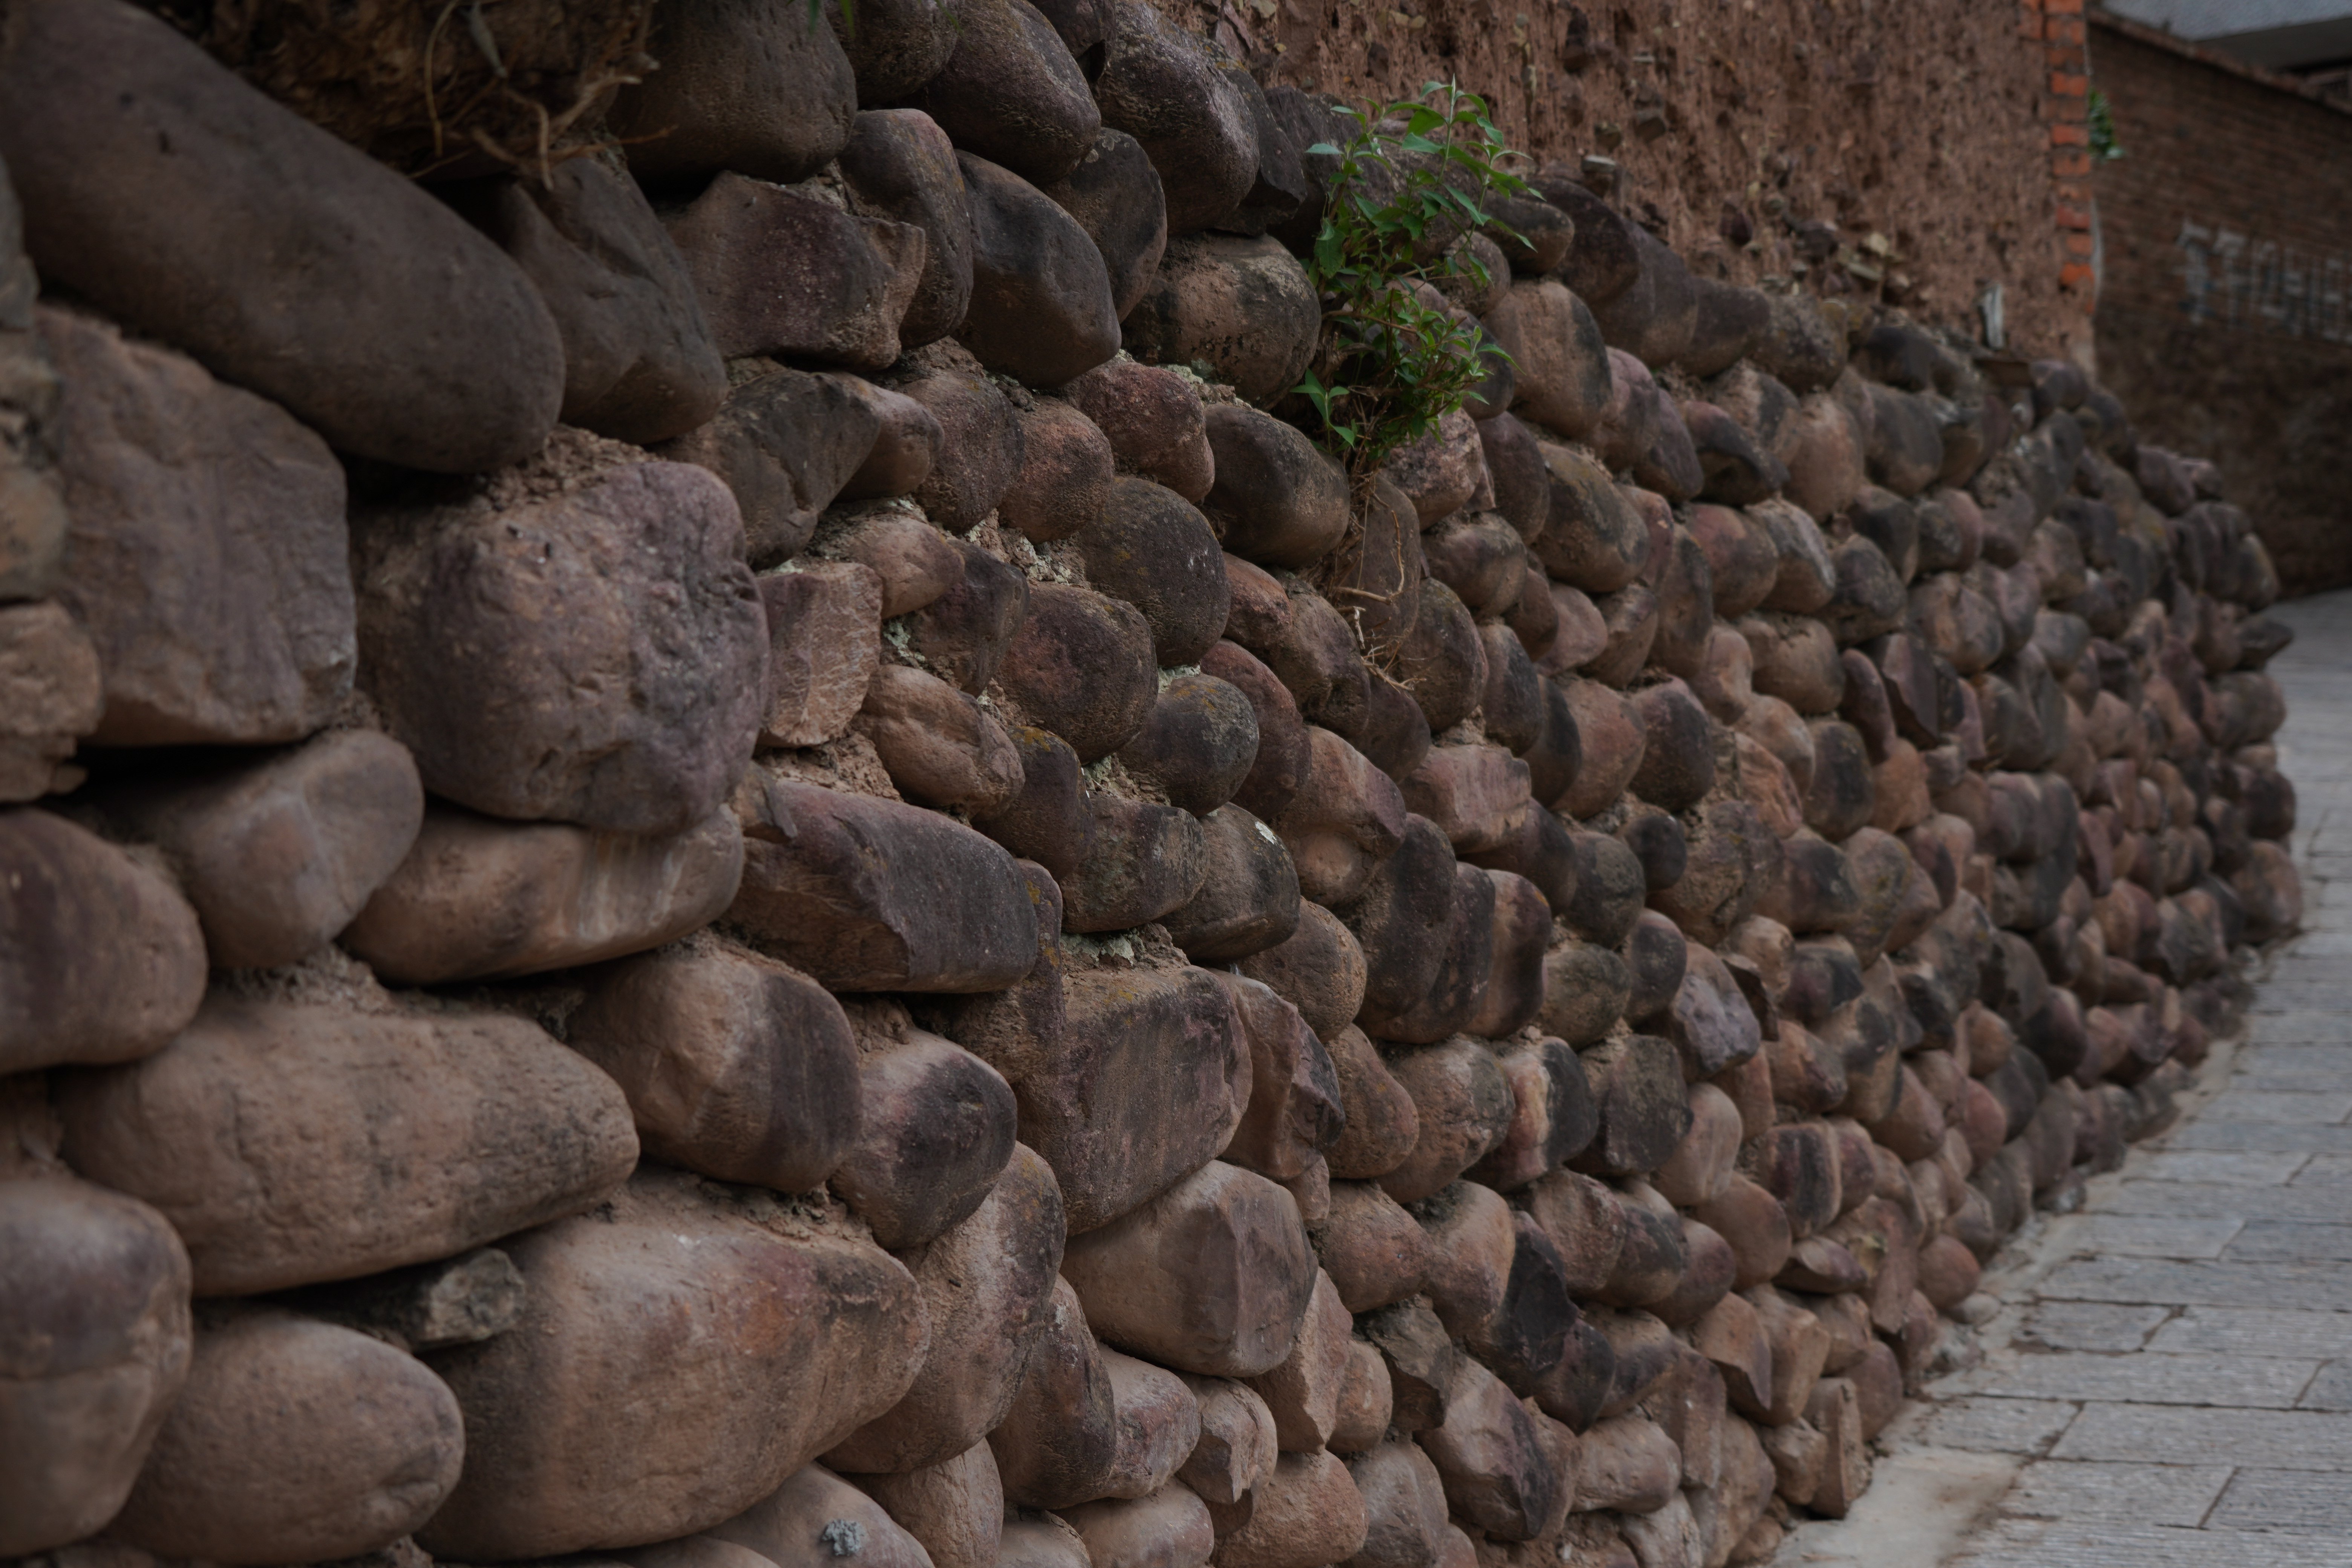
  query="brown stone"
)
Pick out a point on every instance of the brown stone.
point(941, 748)
point(955, 1508)
point(477, 898)
point(1562, 364)
point(1306, 1510)
point(1082, 668)
point(1304, 1391)
point(1059, 1443)
point(785, 445)
point(1238, 1445)
point(1553, 1116)
point(1490, 1455)
point(1041, 1540)
point(1366, 1401)
point(1372, 1249)
point(1278, 767)
point(963, 634)
point(49, 667)
point(1241, 306)
point(1041, 302)
point(734, 1064)
point(824, 646)
point(1636, 1084)
point(361, 1141)
point(98, 1347)
point(796, 1522)
point(1212, 1276)
point(1318, 969)
point(987, 1283)
point(101, 960)
point(1404, 1507)
point(935, 1128)
point(268, 249)
point(638, 362)
point(1464, 1107)
point(1158, 85)
point(780, 272)
point(252, 1464)
point(1278, 499)
point(1346, 822)
point(1064, 476)
point(1382, 1122)
point(621, 1338)
point(948, 912)
point(984, 447)
point(549, 685)
point(1295, 1107)
point(1147, 1081)
point(1116, 196)
point(178, 486)
point(1170, 1529)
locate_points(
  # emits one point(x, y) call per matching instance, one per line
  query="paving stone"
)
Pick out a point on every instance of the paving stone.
point(2139, 1494)
point(2148, 1236)
point(2217, 1165)
point(2329, 1170)
point(2303, 1027)
point(2227, 1200)
point(2317, 1286)
point(2292, 1501)
point(2102, 1543)
point(2090, 1325)
point(2244, 1383)
point(2287, 1068)
point(2202, 1135)
point(2255, 1332)
point(2276, 1241)
point(1987, 1426)
point(2176, 1435)
point(2281, 1107)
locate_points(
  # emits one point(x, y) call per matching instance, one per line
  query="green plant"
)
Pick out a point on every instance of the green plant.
point(2104, 144)
point(1392, 361)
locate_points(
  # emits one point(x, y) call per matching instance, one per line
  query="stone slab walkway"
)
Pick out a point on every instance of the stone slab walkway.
point(2170, 1382)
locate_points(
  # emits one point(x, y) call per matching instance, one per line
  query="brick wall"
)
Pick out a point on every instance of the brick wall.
point(2225, 296)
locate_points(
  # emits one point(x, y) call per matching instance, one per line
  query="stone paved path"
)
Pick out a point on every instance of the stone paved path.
point(2169, 1384)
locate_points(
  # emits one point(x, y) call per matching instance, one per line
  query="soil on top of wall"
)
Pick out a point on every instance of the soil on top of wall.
point(1754, 135)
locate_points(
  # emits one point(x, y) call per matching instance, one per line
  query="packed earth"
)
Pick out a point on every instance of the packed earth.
point(727, 849)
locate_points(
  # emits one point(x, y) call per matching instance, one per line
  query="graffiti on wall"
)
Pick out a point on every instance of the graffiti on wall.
point(2232, 280)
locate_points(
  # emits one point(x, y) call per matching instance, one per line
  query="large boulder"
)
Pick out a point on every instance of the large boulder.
point(277, 855)
point(734, 1064)
point(1158, 85)
point(1041, 302)
point(1146, 1078)
point(294, 1142)
point(101, 960)
point(96, 1304)
point(780, 271)
point(758, 86)
point(638, 362)
point(258, 1461)
point(681, 1352)
point(1212, 1276)
point(481, 899)
point(593, 657)
point(872, 895)
point(1243, 306)
point(278, 255)
point(1012, 92)
point(206, 552)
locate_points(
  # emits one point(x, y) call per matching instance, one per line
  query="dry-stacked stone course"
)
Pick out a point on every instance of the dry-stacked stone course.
point(690, 879)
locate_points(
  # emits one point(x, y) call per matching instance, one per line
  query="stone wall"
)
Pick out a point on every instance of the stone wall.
point(736, 860)
point(2225, 308)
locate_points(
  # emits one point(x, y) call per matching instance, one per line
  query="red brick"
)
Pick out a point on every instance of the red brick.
point(2070, 136)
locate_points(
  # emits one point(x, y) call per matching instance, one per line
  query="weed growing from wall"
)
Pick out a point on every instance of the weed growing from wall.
point(1392, 360)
